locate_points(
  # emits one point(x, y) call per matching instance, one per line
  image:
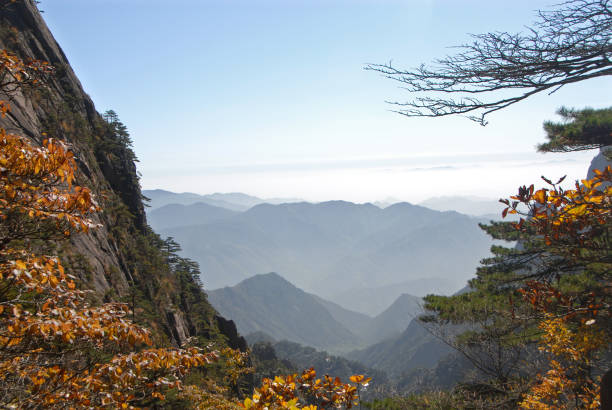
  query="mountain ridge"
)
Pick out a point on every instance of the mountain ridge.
point(330, 246)
point(234, 201)
point(270, 306)
point(268, 303)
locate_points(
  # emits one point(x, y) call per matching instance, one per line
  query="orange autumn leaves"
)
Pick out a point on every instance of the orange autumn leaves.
point(290, 391)
point(573, 349)
point(56, 349)
point(48, 330)
point(37, 182)
point(573, 306)
point(561, 215)
point(16, 73)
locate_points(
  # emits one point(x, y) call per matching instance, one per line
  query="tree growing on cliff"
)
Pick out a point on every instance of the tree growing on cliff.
point(551, 291)
point(56, 348)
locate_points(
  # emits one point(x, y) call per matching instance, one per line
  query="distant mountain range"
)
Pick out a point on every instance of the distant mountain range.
point(234, 201)
point(267, 307)
point(199, 213)
point(489, 208)
point(330, 248)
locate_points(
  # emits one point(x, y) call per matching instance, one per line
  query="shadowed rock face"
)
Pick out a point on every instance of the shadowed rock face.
point(28, 118)
point(600, 161)
point(111, 259)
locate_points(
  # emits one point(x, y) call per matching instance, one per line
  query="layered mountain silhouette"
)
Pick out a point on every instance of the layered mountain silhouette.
point(332, 248)
point(414, 348)
point(375, 300)
point(267, 307)
point(198, 213)
point(234, 201)
point(389, 323)
point(268, 303)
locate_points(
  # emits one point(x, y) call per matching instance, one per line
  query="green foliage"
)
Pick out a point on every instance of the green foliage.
point(579, 130)
point(267, 364)
point(324, 363)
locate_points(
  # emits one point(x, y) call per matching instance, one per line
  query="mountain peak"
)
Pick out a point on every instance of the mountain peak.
point(269, 303)
point(270, 276)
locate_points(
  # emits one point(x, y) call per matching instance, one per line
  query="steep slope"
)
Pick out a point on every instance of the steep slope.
point(269, 304)
point(399, 355)
point(324, 363)
point(173, 215)
point(121, 260)
point(356, 322)
point(374, 300)
point(334, 247)
point(394, 320)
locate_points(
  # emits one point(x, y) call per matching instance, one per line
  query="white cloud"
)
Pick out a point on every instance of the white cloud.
point(369, 179)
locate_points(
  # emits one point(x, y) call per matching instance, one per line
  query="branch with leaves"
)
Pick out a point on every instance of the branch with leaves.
point(306, 392)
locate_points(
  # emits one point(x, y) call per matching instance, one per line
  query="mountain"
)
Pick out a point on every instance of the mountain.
point(374, 301)
point(337, 246)
point(304, 357)
point(469, 205)
point(173, 215)
point(158, 198)
point(268, 308)
point(268, 303)
point(391, 322)
point(356, 322)
point(234, 201)
point(414, 348)
point(121, 259)
point(394, 320)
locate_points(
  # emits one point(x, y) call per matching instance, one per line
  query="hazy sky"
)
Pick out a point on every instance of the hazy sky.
point(270, 97)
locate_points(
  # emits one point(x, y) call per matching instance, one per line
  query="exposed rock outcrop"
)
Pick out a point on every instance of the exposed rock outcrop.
point(118, 260)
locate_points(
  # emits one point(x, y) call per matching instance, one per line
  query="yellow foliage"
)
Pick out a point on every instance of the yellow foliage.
point(285, 392)
point(48, 331)
point(566, 382)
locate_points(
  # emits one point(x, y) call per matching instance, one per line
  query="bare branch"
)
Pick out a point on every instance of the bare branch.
point(565, 46)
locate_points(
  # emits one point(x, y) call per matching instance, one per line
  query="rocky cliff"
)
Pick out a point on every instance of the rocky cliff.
point(122, 259)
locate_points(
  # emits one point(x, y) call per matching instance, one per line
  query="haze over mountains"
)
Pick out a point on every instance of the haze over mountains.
point(468, 205)
point(350, 276)
point(267, 308)
point(269, 305)
point(332, 249)
point(414, 348)
point(234, 201)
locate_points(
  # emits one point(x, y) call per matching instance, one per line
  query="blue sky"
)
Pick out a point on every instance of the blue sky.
point(270, 97)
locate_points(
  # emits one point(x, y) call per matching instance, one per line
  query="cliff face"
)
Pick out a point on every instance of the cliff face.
point(122, 259)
